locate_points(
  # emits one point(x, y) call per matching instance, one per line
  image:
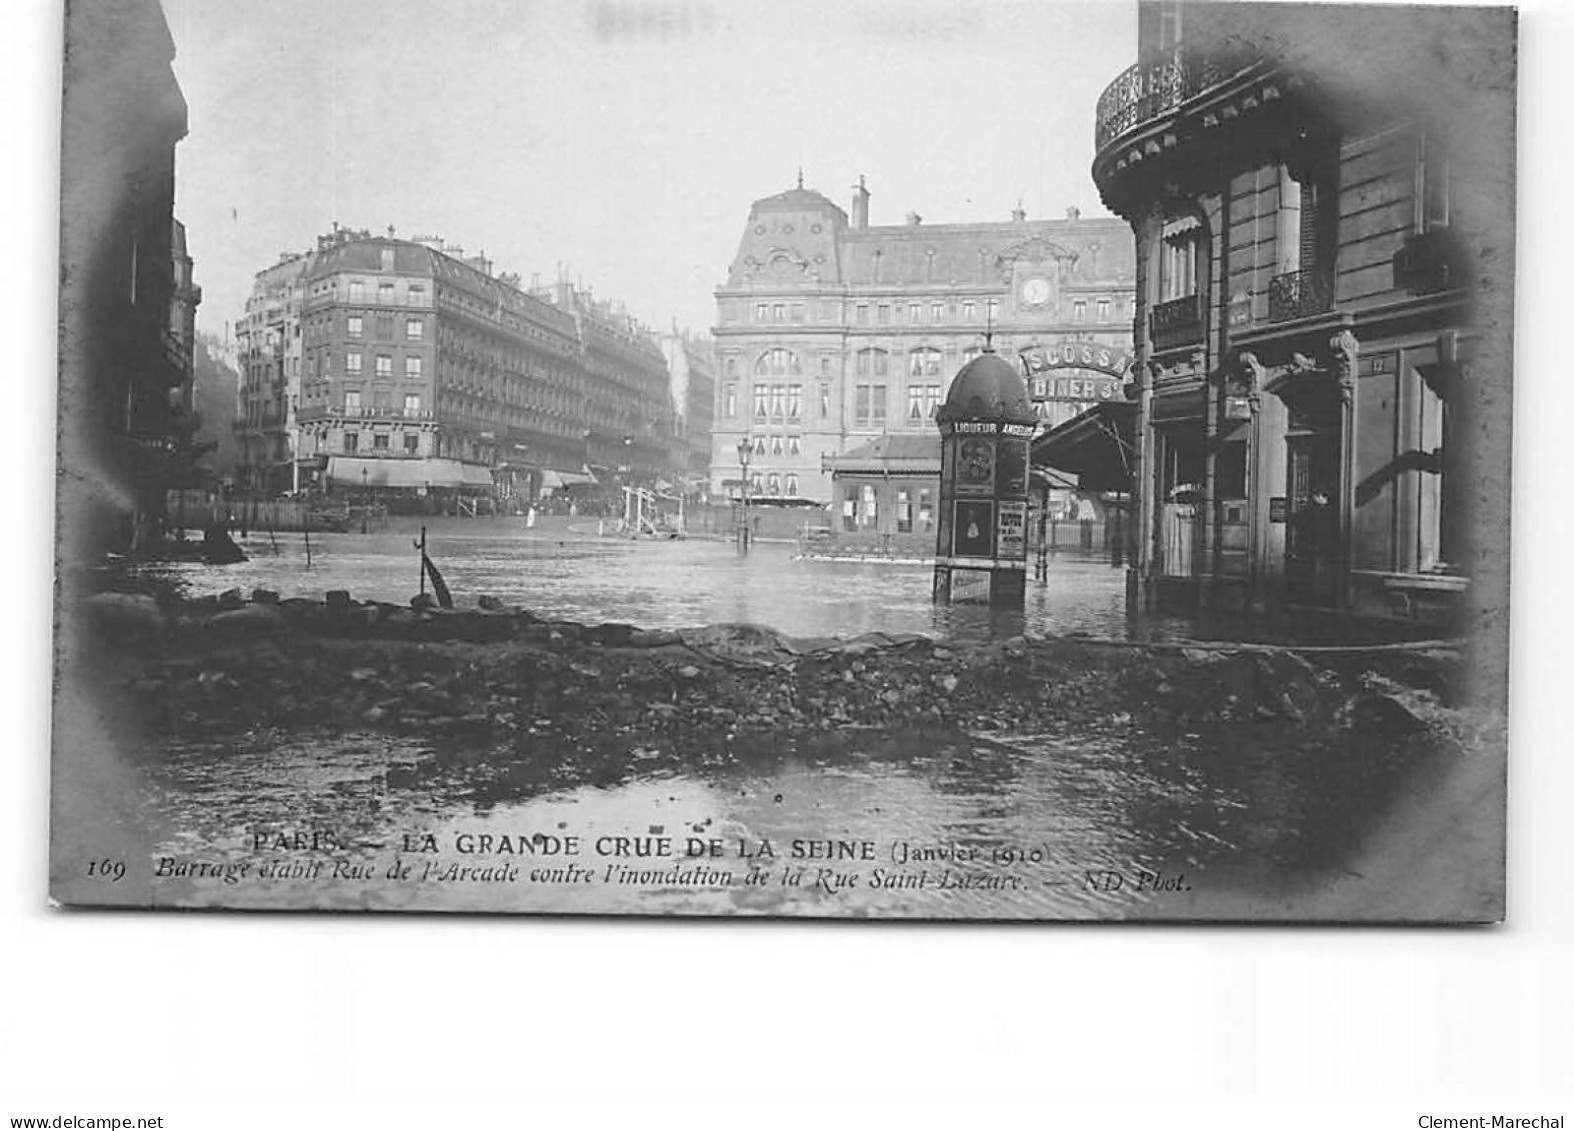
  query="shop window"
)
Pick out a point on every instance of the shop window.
point(904, 512)
point(352, 441)
point(412, 444)
point(380, 442)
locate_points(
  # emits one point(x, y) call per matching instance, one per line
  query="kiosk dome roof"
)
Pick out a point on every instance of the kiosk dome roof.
point(988, 386)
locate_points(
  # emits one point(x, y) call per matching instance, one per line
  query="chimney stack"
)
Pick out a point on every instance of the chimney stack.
point(1073, 212)
point(914, 219)
point(860, 204)
point(1019, 214)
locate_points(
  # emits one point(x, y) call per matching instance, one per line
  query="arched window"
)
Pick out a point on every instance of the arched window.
point(924, 362)
point(873, 363)
point(792, 483)
point(773, 484)
point(778, 363)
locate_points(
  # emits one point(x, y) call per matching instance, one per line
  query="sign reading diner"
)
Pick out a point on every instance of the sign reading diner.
point(1076, 371)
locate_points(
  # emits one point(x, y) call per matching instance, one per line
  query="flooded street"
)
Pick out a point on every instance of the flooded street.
point(568, 572)
point(1046, 826)
point(1086, 815)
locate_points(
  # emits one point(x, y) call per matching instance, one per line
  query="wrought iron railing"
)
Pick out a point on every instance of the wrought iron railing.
point(1299, 294)
point(369, 412)
point(1177, 322)
point(1146, 90)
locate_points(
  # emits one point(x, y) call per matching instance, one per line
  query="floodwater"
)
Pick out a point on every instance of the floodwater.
point(568, 572)
point(1096, 821)
point(1058, 826)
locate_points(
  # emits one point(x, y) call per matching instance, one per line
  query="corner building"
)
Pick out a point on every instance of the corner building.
point(1321, 204)
point(419, 368)
point(831, 331)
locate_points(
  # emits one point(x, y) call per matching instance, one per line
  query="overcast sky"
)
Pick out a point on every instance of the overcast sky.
point(624, 139)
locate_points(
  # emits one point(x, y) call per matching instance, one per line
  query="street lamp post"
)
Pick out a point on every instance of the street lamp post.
point(745, 450)
point(363, 500)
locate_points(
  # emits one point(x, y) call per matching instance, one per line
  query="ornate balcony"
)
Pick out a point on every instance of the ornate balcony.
point(1177, 322)
point(1300, 294)
point(1148, 90)
point(369, 412)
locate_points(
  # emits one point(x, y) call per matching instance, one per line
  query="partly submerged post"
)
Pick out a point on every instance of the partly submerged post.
point(986, 425)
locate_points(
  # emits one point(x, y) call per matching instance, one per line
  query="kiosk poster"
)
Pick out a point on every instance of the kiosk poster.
point(420, 548)
point(975, 465)
point(1011, 540)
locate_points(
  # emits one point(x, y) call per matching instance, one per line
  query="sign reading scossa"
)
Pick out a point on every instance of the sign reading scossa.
point(1092, 372)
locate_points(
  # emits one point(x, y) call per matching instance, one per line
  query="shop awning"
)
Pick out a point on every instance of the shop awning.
point(552, 479)
point(397, 472)
point(1096, 446)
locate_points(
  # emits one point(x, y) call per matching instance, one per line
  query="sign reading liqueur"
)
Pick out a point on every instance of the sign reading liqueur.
point(1076, 371)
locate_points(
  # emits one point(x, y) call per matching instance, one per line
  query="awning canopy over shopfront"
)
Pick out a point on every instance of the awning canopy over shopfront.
point(352, 471)
point(1096, 446)
point(552, 479)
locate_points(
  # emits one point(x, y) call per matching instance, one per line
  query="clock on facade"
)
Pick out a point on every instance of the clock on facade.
point(1035, 292)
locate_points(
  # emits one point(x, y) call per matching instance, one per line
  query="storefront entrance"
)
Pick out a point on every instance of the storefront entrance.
point(1311, 543)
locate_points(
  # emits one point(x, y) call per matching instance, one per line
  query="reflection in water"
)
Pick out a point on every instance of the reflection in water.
point(1040, 818)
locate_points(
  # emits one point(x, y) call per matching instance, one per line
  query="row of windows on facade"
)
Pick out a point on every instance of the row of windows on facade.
point(353, 403)
point(387, 293)
point(774, 483)
point(382, 328)
point(354, 364)
point(784, 402)
point(381, 442)
point(872, 361)
point(939, 312)
point(1304, 224)
point(554, 418)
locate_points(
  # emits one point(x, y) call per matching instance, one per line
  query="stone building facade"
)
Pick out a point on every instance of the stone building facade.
point(126, 288)
point(831, 331)
point(385, 363)
point(1315, 201)
point(691, 366)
